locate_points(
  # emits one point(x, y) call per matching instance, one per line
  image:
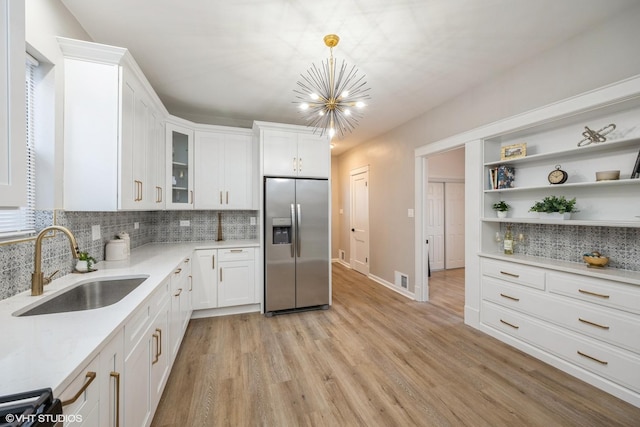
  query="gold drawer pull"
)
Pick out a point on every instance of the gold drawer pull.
point(509, 324)
point(91, 376)
point(179, 292)
point(156, 356)
point(582, 291)
point(510, 274)
point(236, 250)
point(593, 324)
point(116, 375)
point(510, 297)
point(177, 271)
point(602, 362)
point(159, 331)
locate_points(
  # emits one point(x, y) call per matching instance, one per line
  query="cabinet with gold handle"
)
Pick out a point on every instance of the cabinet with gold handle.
point(116, 377)
point(89, 377)
point(178, 293)
point(157, 336)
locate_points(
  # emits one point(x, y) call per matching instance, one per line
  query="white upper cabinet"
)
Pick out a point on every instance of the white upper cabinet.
point(179, 161)
point(289, 150)
point(112, 122)
point(225, 169)
point(12, 105)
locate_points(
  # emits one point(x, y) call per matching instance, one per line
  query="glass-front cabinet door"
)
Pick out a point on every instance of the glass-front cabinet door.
point(179, 166)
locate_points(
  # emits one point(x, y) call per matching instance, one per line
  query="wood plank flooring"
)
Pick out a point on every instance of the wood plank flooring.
point(375, 358)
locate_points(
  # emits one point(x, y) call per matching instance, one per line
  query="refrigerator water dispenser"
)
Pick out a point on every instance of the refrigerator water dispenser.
point(281, 231)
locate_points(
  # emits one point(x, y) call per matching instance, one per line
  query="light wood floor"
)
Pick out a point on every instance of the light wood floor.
point(375, 358)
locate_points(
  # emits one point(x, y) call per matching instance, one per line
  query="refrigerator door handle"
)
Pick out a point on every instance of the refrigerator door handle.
point(298, 237)
point(295, 232)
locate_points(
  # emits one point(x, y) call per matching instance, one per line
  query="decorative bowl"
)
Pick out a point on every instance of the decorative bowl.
point(593, 261)
point(607, 175)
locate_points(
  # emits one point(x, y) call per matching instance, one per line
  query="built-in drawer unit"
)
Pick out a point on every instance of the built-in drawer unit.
point(136, 327)
point(514, 273)
point(609, 362)
point(598, 291)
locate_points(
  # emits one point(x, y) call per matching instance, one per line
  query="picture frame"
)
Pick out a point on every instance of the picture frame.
point(514, 151)
point(635, 173)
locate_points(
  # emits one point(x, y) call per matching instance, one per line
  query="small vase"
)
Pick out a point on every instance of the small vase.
point(501, 214)
point(82, 265)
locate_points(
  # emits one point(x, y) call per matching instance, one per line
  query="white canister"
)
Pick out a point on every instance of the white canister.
point(125, 236)
point(116, 250)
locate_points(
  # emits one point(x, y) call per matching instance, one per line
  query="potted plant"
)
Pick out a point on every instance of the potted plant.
point(85, 261)
point(501, 208)
point(554, 207)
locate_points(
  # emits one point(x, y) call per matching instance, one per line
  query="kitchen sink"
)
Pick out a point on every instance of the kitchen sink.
point(86, 296)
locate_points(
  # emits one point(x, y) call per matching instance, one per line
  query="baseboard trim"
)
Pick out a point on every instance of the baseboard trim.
point(393, 287)
point(344, 263)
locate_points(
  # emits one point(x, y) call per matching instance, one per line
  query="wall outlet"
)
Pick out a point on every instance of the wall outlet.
point(410, 213)
point(341, 254)
point(185, 223)
point(136, 225)
point(95, 232)
point(252, 220)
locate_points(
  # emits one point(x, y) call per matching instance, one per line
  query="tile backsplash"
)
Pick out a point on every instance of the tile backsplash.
point(16, 259)
point(570, 242)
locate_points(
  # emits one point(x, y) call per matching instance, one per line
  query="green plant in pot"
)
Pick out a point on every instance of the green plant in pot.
point(555, 207)
point(85, 261)
point(501, 208)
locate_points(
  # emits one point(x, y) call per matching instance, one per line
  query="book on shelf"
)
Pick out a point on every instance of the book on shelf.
point(501, 177)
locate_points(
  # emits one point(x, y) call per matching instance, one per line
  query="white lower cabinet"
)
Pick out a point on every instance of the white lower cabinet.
point(181, 289)
point(587, 326)
point(81, 398)
point(224, 278)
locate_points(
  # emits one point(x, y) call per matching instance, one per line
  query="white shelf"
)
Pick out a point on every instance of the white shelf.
point(180, 164)
point(179, 188)
point(584, 222)
point(556, 155)
point(615, 183)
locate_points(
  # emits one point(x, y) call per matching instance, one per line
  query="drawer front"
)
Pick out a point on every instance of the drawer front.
point(596, 291)
point(608, 325)
point(514, 273)
point(236, 254)
point(136, 327)
point(616, 365)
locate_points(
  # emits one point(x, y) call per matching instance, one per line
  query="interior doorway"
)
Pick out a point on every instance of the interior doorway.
point(445, 224)
point(359, 221)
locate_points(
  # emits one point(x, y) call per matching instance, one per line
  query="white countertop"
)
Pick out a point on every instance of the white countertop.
point(49, 350)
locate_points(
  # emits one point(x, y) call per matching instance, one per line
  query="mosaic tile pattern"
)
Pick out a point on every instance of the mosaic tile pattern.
point(16, 259)
point(570, 242)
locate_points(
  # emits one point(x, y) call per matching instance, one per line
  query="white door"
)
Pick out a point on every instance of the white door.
point(454, 224)
point(436, 225)
point(359, 247)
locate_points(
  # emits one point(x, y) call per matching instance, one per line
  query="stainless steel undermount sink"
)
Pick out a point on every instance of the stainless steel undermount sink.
point(96, 293)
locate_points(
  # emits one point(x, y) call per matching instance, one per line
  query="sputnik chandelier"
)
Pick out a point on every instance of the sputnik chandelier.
point(332, 102)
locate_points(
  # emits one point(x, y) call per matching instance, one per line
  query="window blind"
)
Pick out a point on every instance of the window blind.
point(20, 222)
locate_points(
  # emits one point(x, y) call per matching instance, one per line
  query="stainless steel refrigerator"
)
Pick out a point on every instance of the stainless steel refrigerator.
point(296, 222)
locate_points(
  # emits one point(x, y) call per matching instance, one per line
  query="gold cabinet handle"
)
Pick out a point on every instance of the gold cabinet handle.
point(236, 251)
point(597, 325)
point(177, 271)
point(116, 376)
point(186, 260)
point(221, 197)
point(192, 196)
point(509, 324)
point(294, 164)
point(595, 359)
point(221, 275)
point(89, 377)
point(179, 292)
point(300, 164)
point(509, 297)
point(227, 197)
point(213, 262)
point(156, 356)
point(510, 274)
point(582, 291)
point(159, 352)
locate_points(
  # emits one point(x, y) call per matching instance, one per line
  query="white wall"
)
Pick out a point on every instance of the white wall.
point(605, 54)
point(46, 19)
point(447, 165)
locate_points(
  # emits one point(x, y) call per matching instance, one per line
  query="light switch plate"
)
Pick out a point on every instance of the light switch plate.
point(410, 213)
point(252, 220)
point(136, 225)
point(95, 232)
point(185, 223)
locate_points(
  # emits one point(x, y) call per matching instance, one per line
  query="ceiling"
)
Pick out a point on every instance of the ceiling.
point(231, 62)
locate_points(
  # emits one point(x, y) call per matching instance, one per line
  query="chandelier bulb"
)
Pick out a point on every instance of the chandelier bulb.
point(314, 96)
point(304, 106)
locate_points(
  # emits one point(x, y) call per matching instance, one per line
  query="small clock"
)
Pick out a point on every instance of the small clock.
point(557, 176)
